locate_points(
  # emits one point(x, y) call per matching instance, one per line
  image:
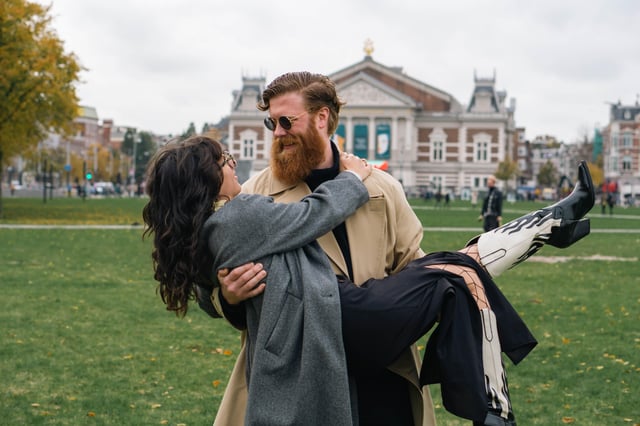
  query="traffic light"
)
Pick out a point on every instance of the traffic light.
point(89, 175)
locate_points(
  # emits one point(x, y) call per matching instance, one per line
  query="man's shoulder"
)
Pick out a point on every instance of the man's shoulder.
point(384, 182)
point(258, 181)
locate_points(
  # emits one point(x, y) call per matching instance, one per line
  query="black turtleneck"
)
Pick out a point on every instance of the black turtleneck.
point(315, 179)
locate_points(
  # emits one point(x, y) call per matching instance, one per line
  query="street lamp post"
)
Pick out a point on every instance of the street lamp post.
point(136, 141)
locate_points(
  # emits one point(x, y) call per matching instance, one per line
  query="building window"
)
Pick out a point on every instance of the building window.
point(478, 182)
point(437, 151)
point(438, 182)
point(522, 165)
point(437, 138)
point(248, 151)
point(482, 152)
point(614, 163)
point(627, 139)
point(626, 163)
point(481, 145)
point(614, 140)
point(248, 144)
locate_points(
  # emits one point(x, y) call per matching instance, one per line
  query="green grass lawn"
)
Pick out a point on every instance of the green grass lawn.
point(85, 339)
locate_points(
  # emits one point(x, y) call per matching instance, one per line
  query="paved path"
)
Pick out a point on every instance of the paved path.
point(426, 228)
point(20, 226)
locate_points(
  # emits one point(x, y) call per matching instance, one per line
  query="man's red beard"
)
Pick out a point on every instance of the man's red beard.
point(294, 165)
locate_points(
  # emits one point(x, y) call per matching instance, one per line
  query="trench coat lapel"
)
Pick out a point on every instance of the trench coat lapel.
point(366, 228)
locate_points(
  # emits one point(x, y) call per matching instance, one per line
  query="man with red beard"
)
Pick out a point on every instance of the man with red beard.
point(381, 238)
point(378, 241)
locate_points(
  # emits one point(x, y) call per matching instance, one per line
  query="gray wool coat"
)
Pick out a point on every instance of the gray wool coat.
point(296, 367)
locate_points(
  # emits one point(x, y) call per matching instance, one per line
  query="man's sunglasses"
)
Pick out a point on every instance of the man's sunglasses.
point(284, 121)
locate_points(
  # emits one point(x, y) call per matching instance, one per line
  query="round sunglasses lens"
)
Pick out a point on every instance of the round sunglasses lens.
point(269, 123)
point(285, 122)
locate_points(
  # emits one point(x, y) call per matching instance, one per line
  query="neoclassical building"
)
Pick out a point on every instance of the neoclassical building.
point(423, 135)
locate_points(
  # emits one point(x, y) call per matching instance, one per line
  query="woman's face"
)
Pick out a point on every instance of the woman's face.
point(230, 185)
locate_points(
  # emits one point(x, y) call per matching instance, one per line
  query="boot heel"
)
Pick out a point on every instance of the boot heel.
point(564, 236)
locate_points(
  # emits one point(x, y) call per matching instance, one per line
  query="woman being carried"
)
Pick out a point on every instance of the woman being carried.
point(307, 329)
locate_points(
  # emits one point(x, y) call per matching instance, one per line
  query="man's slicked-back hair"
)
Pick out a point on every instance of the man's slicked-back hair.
point(317, 90)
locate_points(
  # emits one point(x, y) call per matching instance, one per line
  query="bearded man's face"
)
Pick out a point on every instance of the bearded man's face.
point(295, 155)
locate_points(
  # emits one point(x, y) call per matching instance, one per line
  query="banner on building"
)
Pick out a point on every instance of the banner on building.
point(361, 140)
point(383, 142)
point(340, 137)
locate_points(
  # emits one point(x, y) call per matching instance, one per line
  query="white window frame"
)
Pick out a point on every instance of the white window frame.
point(482, 148)
point(438, 142)
point(248, 145)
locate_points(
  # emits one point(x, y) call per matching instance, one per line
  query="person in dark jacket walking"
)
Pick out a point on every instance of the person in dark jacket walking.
point(491, 213)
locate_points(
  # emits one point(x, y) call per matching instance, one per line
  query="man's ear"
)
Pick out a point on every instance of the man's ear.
point(322, 118)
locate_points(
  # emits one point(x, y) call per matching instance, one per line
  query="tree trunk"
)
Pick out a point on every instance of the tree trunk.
point(1, 169)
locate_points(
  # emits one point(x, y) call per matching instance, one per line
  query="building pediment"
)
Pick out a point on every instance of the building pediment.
point(364, 91)
point(393, 81)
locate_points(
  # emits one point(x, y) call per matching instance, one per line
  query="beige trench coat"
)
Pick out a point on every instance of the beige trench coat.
point(384, 235)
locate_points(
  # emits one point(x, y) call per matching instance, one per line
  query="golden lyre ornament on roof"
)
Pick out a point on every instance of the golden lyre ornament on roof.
point(368, 47)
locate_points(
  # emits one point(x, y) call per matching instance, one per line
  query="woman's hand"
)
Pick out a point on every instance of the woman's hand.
point(242, 283)
point(355, 164)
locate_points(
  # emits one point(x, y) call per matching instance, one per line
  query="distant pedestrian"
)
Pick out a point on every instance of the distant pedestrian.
point(438, 199)
point(491, 212)
point(611, 201)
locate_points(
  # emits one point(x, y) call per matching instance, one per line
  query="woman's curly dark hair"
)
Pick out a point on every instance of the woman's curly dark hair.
point(183, 181)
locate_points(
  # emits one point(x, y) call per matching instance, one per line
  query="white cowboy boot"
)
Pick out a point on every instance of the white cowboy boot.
point(499, 412)
point(559, 225)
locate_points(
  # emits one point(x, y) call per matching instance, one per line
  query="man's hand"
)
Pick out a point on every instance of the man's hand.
point(242, 283)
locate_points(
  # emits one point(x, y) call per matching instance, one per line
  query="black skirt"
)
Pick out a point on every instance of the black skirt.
point(383, 317)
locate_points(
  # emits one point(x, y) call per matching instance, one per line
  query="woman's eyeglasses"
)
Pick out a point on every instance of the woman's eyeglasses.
point(284, 121)
point(228, 158)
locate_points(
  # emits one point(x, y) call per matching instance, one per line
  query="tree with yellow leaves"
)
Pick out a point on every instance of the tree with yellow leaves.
point(37, 79)
point(506, 170)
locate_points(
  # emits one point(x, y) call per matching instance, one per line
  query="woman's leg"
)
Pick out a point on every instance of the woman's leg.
point(382, 318)
point(559, 225)
point(499, 406)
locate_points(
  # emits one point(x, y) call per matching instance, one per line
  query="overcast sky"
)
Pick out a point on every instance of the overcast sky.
point(159, 65)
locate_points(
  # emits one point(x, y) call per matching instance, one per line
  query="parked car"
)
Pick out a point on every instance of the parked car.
point(103, 188)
